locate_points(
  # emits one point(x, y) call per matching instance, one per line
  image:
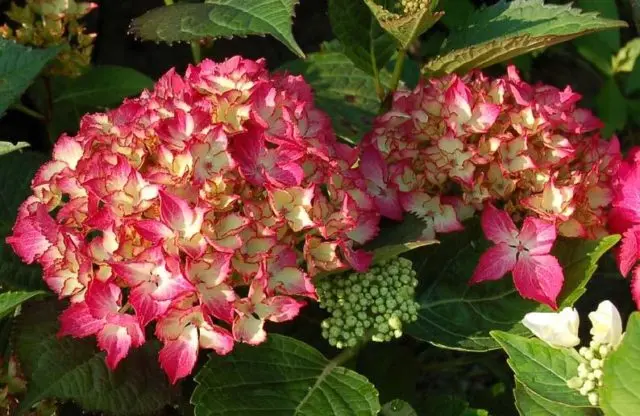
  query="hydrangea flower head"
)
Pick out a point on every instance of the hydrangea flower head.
point(225, 178)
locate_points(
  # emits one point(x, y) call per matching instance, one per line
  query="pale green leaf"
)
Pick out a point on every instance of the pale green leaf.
point(281, 377)
point(7, 147)
point(579, 259)
point(72, 369)
point(17, 168)
point(19, 66)
point(398, 408)
point(508, 29)
point(98, 89)
point(342, 90)
point(184, 22)
point(625, 59)
point(543, 369)
point(405, 28)
point(363, 40)
point(530, 404)
point(11, 300)
point(620, 393)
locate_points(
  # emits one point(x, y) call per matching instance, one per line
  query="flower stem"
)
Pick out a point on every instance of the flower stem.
point(26, 110)
point(196, 52)
point(397, 70)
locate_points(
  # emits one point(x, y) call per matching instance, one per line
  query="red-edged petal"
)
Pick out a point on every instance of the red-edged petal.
point(218, 300)
point(498, 226)
point(152, 230)
point(216, 338)
point(539, 278)
point(146, 307)
point(247, 328)
point(78, 322)
point(629, 252)
point(102, 298)
point(537, 235)
point(494, 263)
point(373, 167)
point(178, 357)
point(176, 212)
point(33, 235)
point(116, 342)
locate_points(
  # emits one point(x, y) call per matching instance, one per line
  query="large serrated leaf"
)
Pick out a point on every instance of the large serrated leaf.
point(542, 368)
point(11, 300)
point(219, 18)
point(72, 369)
point(508, 29)
point(342, 90)
point(363, 40)
point(531, 404)
point(281, 377)
point(19, 65)
point(17, 168)
point(456, 315)
point(620, 391)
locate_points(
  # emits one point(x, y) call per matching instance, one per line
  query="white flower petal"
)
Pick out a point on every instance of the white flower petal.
point(607, 324)
point(556, 329)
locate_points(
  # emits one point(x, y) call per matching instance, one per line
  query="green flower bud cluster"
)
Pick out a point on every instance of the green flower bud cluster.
point(413, 6)
point(590, 374)
point(374, 304)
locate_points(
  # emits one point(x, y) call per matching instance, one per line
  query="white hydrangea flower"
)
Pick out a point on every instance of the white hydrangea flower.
point(558, 329)
point(606, 324)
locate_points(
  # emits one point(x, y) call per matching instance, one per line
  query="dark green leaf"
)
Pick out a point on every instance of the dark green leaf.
point(364, 41)
point(72, 369)
point(186, 22)
point(345, 92)
point(17, 168)
point(508, 29)
point(607, 9)
point(456, 12)
point(530, 404)
point(454, 314)
point(398, 408)
point(620, 393)
point(281, 377)
point(396, 238)
point(19, 66)
point(100, 88)
point(543, 369)
point(612, 107)
point(451, 406)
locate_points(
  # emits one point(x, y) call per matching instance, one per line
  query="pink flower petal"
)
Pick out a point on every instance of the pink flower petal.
point(217, 339)
point(629, 252)
point(537, 235)
point(539, 278)
point(249, 329)
point(498, 226)
point(494, 263)
point(102, 298)
point(78, 322)
point(178, 357)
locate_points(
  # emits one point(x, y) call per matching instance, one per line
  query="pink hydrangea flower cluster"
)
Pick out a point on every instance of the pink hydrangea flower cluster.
point(164, 209)
point(624, 218)
point(454, 145)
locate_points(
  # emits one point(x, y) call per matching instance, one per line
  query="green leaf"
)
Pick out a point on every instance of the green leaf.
point(508, 29)
point(543, 369)
point(405, 28)
point(363, 40)
point(282, 376)
point(214, 19)
point(98, 89)
point(530, 404)
point(344, 91)
point(611, 107)
point(579, 259)
point(620, 391)
point(17, 168)
point(396, 238)
point(11, 300)
point(456, 12)
point(632, 85)
point(610, 39)
point(447, 405)
point(8, 147)
point(72, 369)
point(398, 408)
point(19, 66)
point(454, 314)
